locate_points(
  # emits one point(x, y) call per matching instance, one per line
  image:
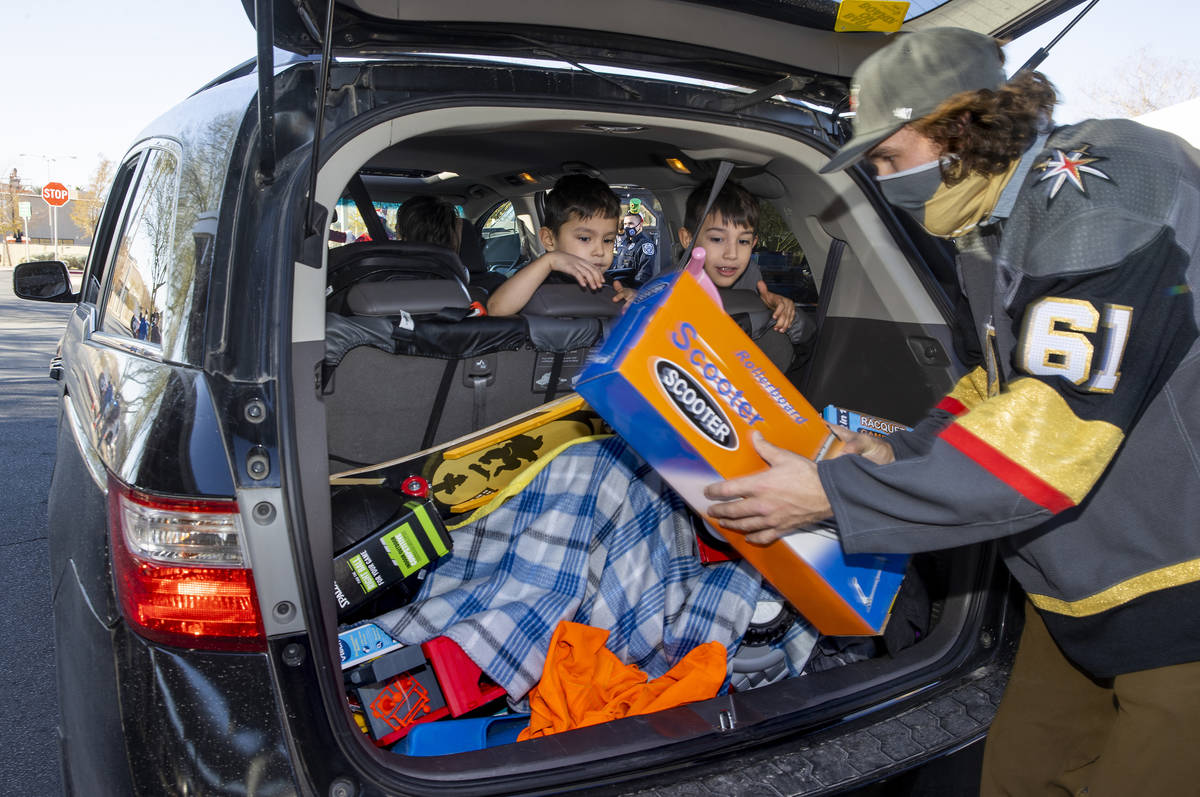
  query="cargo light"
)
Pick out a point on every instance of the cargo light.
point(180, 572)
point(676, 165)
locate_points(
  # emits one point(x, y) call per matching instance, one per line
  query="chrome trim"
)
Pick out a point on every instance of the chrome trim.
point(151, 351)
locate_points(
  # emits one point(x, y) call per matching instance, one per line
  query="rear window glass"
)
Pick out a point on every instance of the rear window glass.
point(781, 259)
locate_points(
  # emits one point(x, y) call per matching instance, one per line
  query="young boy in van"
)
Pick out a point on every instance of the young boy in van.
point(728, 235)
point(582, 214)
point(580, 228)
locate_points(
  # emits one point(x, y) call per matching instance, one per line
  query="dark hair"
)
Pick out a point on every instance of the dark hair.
point(987, 130)
point(427, 219)
point(579, 196)
point(735, 204)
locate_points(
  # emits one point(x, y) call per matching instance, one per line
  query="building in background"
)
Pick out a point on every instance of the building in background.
point(33, 239)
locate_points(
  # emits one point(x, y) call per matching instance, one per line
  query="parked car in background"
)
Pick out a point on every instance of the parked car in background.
point(190, 508)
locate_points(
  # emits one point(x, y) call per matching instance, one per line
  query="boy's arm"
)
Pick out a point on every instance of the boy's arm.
point(512, 296)
point(783, 309)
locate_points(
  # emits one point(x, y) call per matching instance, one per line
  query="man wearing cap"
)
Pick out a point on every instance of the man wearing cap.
point(1075, 440)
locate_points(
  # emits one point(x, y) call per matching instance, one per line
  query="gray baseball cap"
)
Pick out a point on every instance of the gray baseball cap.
point(911, 77)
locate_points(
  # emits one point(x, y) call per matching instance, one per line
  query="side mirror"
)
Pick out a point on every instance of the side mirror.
point(43, 281)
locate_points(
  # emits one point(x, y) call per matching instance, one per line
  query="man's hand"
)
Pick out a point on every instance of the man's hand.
point(768, 505)
point(585, 273)
point(873, 448)
point(783, 309)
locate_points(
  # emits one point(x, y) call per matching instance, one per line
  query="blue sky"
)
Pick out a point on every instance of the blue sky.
point(85, 77)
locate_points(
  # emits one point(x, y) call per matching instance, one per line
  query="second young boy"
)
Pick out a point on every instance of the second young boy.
point(580, 228)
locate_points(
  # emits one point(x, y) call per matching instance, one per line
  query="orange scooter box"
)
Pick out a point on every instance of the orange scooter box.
point(685, 386)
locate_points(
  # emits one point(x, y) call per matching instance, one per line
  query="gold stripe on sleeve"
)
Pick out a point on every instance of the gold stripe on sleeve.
point(1118, 594)
point(1033, 426)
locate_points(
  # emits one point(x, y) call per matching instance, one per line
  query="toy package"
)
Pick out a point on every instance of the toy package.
point(464, 474)
point(685, 386)
point(861, 422)
point(395, 556)
point(397, 687)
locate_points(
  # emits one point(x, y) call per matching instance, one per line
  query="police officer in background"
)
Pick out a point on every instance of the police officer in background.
point(636, 253)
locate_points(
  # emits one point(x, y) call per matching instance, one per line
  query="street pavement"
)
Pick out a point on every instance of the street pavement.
point(29, 333)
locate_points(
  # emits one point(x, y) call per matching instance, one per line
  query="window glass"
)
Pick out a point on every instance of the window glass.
point(639, 201)
point(505, 244)
point(142, 262)
point(349, 226)
point(110, 217)
point(780, 258)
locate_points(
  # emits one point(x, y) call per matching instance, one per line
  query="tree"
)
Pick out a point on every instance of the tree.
point(11, 222)
point(1143, 83)
point(85, 210)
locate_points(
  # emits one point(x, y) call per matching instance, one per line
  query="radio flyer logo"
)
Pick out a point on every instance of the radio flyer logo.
point(1071, 165)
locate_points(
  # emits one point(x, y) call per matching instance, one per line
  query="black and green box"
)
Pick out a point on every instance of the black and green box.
point(395, 555)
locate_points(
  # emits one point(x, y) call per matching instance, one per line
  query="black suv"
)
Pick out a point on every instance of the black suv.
point(209, 392)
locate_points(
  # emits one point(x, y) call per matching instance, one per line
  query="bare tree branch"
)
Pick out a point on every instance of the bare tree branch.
point(1142, 83)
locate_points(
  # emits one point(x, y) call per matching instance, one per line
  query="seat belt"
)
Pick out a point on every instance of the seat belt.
point(555, 375)
point(833, 259)
point(723, 170)
point(439, 404)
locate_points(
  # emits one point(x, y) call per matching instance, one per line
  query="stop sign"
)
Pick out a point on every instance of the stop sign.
point(55, 194)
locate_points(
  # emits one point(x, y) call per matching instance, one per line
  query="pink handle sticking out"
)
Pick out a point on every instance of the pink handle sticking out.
point(695, 267)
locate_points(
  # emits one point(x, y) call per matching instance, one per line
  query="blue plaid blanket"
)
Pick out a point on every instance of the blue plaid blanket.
point(596, 537)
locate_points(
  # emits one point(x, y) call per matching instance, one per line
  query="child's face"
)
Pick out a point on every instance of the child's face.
point(591, 239)
point(727, 248)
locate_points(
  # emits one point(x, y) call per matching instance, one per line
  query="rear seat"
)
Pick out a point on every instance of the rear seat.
point(748, 310)
point(404, 369)
point(572, 300)
point(391, 391)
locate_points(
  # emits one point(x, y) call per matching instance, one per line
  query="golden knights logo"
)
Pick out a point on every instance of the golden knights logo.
point(1072, 165)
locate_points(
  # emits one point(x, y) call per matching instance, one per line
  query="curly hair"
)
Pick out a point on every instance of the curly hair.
point(986, 130)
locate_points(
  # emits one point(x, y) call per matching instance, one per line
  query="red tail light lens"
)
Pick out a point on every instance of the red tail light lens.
point(180, 573)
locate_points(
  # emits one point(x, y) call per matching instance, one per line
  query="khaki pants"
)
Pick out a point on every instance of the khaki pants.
point(1060, 732)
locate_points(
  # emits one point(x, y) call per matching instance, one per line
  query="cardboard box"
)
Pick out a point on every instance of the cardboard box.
point(364, 642)
point(681, 382)
point(394, 557)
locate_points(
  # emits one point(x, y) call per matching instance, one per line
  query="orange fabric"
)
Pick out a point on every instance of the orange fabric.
point(583, 683)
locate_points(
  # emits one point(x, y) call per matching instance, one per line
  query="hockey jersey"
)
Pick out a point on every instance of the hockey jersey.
point(1076, 442)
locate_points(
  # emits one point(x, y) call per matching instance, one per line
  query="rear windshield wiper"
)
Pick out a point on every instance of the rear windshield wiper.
point(546, 49)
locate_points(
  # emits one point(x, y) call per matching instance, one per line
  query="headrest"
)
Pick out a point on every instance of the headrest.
point(420, 260)
point(573, 300)
point(416, 297)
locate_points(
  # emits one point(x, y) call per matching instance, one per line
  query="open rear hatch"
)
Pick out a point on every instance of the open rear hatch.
point(755, 38)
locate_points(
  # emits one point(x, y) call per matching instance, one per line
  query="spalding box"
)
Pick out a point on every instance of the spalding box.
point(684, 385)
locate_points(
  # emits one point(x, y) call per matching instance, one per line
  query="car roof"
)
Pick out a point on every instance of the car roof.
point(820, 36)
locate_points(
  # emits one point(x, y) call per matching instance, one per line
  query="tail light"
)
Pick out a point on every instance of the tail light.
point(180, 571)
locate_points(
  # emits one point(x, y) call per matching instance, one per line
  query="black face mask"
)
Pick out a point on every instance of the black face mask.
point(912, 188)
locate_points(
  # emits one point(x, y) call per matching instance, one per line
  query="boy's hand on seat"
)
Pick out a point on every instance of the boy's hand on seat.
point(783, 309)
point(623, 294)
point(585, 273)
